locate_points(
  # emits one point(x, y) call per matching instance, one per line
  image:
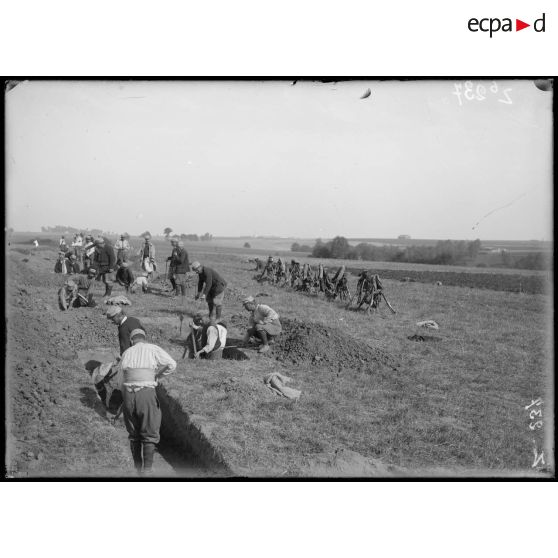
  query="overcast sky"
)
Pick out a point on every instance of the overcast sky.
point(268, 158)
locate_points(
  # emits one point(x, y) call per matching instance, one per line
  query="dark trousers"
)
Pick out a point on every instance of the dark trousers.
point(142, 415)
point(180, 283)
point(215, 305)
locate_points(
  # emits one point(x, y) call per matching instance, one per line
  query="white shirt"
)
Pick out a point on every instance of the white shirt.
point(263, 314)
point(214, 332)
point(146, 355)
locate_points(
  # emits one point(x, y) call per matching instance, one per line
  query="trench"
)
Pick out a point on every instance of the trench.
point(184, 449)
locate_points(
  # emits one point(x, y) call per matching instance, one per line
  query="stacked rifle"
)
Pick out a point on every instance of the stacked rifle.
point(315, 280)
point(369, 293)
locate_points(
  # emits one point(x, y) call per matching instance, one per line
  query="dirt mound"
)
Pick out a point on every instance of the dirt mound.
point(318, 344)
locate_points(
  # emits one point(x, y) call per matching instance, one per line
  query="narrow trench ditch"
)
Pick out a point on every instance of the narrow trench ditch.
point(183, 445)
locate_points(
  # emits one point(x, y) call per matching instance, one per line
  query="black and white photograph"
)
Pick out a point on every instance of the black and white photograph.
point(279, 279)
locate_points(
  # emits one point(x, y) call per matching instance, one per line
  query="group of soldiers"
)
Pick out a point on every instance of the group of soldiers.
point(91, 259)
point(127, 385)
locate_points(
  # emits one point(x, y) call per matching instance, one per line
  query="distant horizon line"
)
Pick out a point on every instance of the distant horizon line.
point(314, 239)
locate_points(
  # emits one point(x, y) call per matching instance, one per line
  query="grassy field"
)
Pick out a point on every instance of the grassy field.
point(457, 403)
point(452, 406)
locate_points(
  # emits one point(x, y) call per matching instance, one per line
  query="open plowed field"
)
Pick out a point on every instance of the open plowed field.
point(532, 284)
point(374, 401)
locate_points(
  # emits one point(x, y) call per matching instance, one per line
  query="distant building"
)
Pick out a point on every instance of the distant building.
point(404, 237)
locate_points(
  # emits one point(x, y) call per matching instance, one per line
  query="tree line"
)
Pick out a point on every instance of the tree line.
point(194, 237)
point(444, 252)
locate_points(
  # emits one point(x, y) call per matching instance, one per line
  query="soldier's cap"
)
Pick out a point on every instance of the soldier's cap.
point(248, 300)
point(137, 332)
point(92, 271)
point(180, 243)
point(100, 241)
point(122, 237)
point(113, 311)
point(147, 237)
point(70, 283)
point(196, 265)
point(124, 264)
point(198, 320)
point(173, 240)
point(73, 256)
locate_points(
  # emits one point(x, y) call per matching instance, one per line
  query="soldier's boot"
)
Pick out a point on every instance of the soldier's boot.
point(148, 452)
point(108, 289)
point(136, 455)
point(265, 345)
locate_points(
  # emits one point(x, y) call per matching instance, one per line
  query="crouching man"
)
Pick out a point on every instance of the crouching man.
point(210, 336)
point(67, 295)
point(140, 282)
point(125, 276)
point(263, 324)
point(143, 364)
point(107, 379)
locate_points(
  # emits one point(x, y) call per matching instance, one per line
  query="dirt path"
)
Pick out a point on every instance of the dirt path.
point(56, 424)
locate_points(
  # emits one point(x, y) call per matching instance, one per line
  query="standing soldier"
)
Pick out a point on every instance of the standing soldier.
point(88, 252)
point(212, 288)
point(181, 268)
point(125, 324)
point(147, 255)
point(172, 265)
point(122, 248)
point(143, 364)
point(77, 245)
point(104, 262)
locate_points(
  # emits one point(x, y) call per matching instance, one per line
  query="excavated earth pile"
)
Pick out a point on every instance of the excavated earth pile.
point(315, 343)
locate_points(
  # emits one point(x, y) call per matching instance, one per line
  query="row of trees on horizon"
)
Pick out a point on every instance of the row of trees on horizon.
point(167, 233)
point(444, 252)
